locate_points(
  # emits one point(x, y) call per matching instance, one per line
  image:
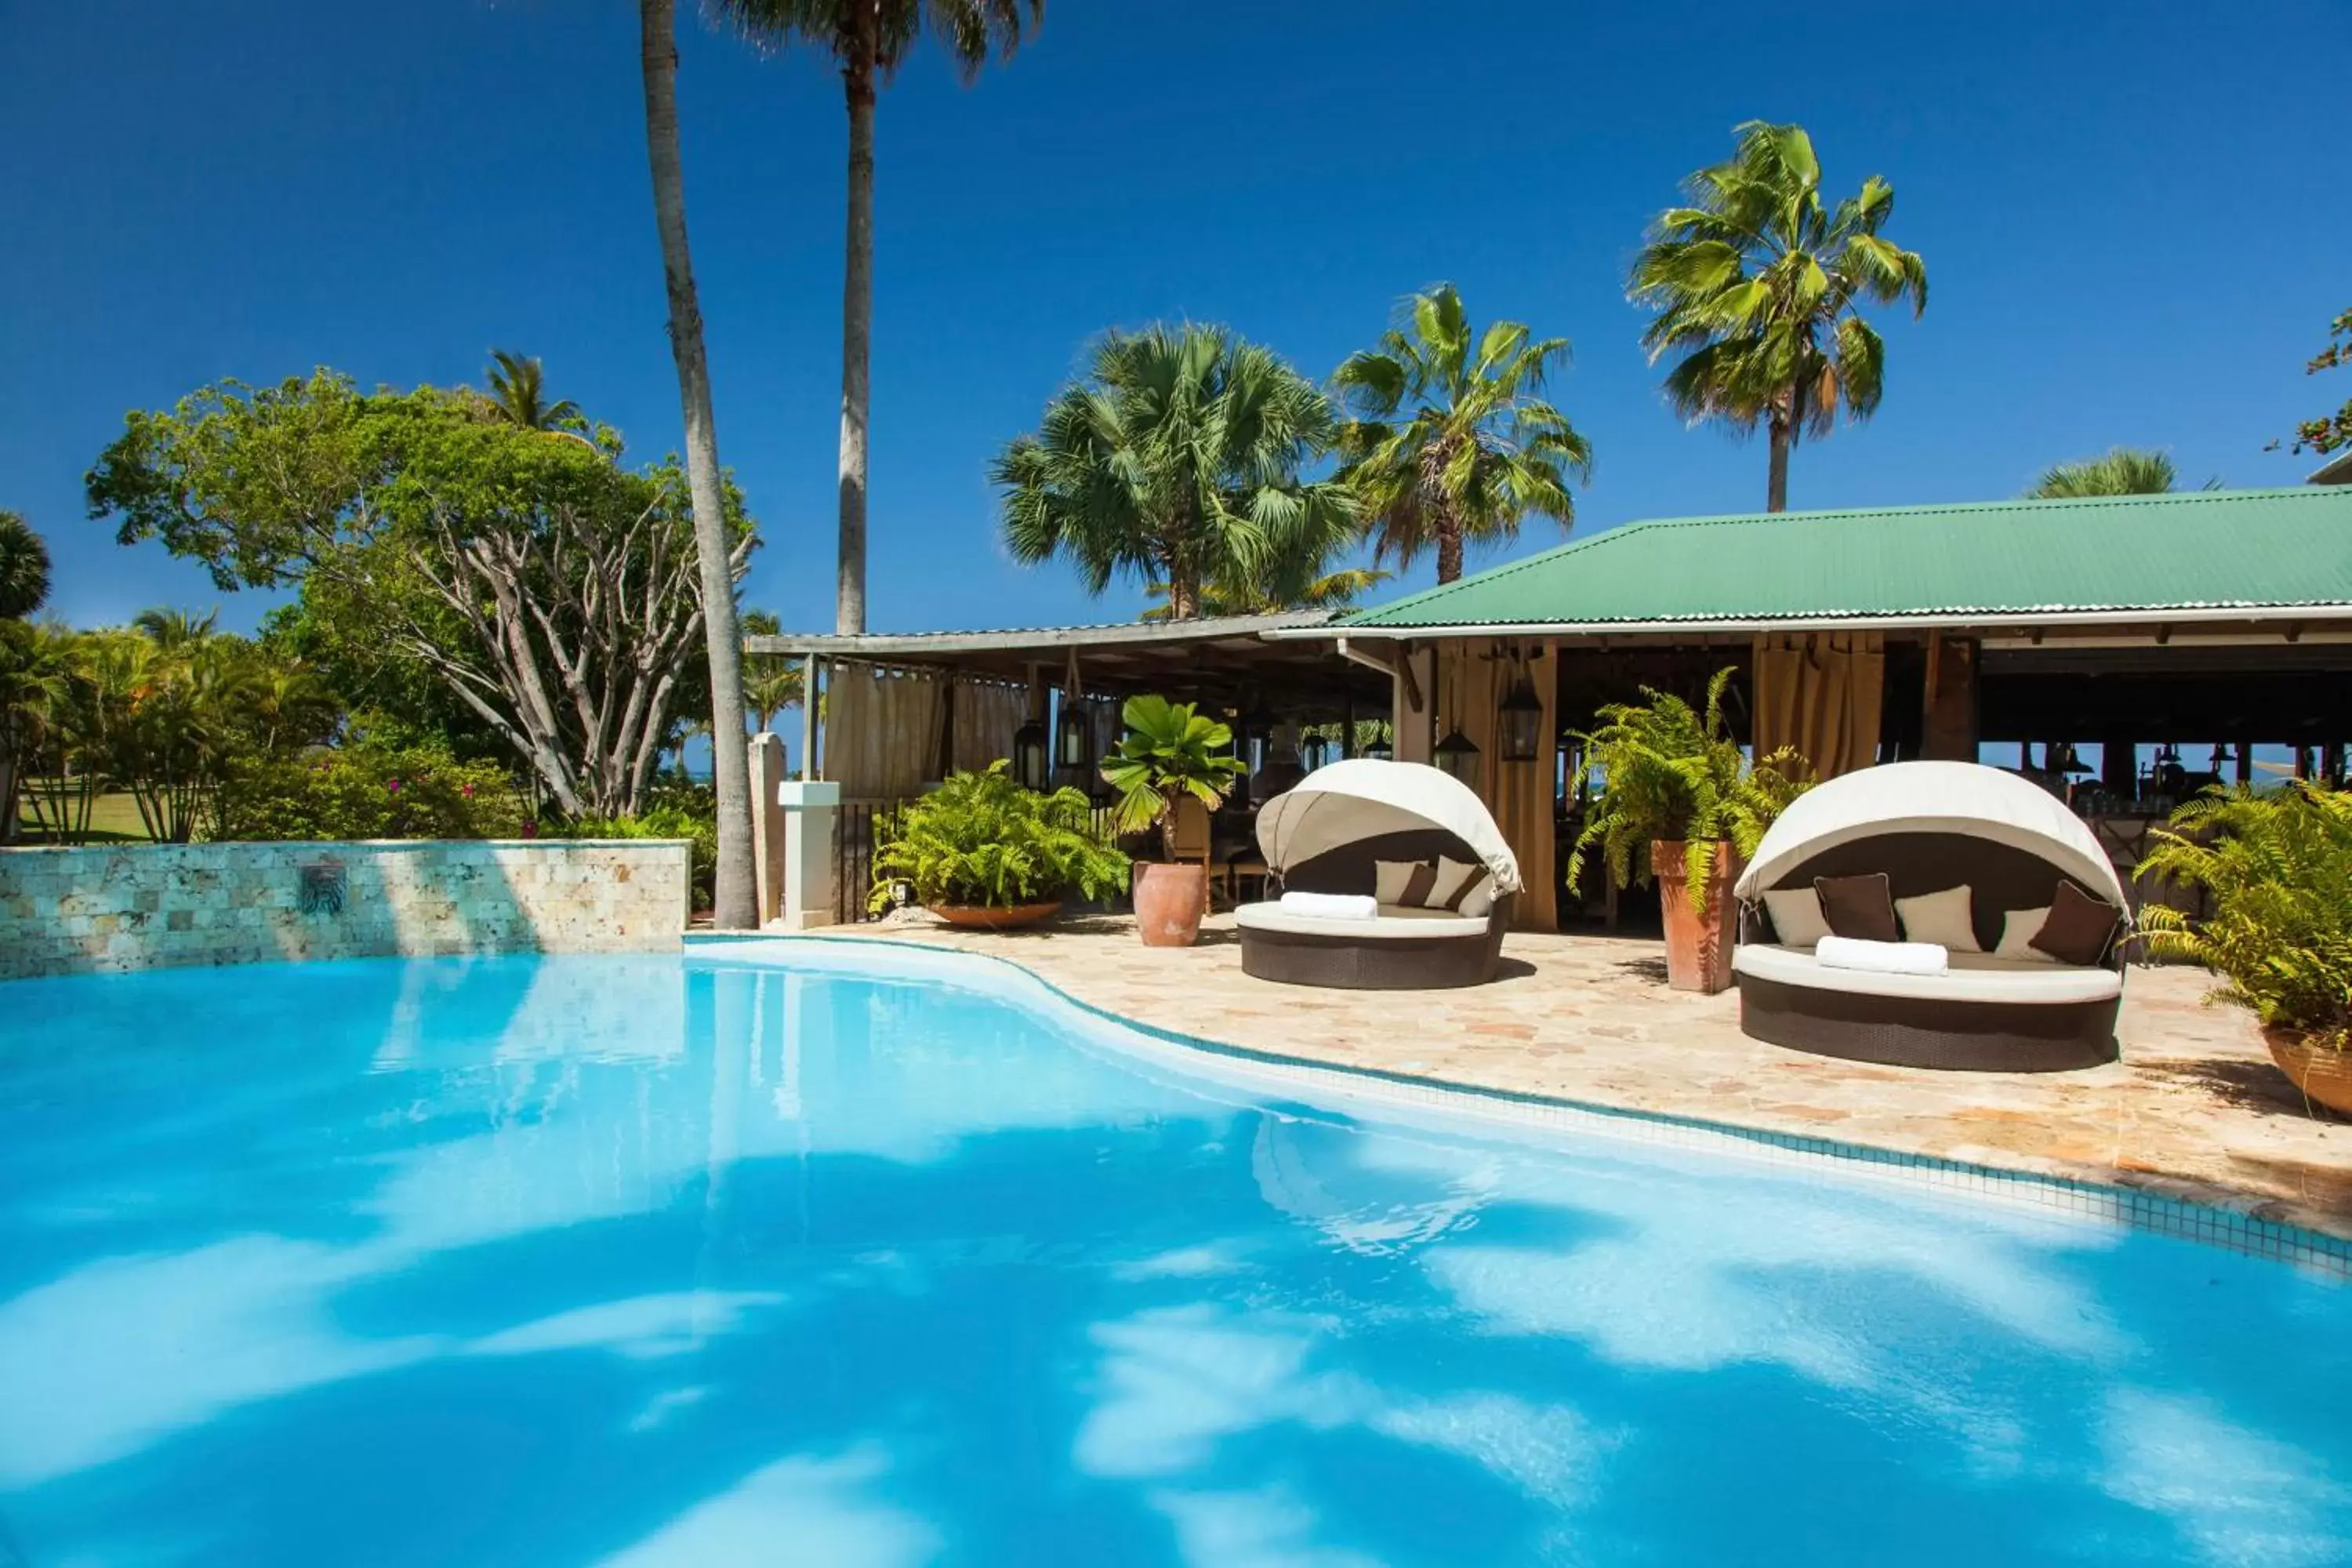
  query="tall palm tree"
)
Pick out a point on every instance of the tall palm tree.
point(24, 568)
point(175, 631)
point(519, 394)
point(1760, 286)
point(2125, 471)
point(1177, 459)
point(870, 39)
point(1451, 441)
point(735, 899)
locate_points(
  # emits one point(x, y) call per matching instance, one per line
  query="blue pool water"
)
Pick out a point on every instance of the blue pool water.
point(637, 1261)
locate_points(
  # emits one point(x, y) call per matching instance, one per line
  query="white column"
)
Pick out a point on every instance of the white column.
point(809, 808)
point(768, 824)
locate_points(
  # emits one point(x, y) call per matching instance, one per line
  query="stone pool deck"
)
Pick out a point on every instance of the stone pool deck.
point(2195, 1109)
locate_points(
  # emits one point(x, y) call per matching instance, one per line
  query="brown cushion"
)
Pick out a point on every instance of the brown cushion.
point(1860, 907)
point(2078, 929)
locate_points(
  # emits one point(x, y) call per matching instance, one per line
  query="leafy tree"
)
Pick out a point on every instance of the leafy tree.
point(869, 39)
point(1758, 285)
point(735, 904)
point(2330, 432)
point(2125, 471)
point(24, 568)
point(1177, 459)
point(1171, 750)
point(1453, 441)
point(552, 592)
point(519, 394)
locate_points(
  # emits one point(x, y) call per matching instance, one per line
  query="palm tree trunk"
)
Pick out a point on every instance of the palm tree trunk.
point(857, 325)
point(1449, 551)
point(1776, 485)
point(735, 907)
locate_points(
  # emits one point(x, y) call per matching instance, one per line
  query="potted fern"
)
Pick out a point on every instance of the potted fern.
point(2277, 869)
point(1679, 801)
point(981, 850)
point(1170, 751)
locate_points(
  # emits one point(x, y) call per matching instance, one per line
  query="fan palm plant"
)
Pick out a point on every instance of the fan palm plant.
point(24, 568)
point(1452, 442)
point(2123, 471)
point(1758, 285)
point(869, 39)
point(1170, 751)
point(1177, 459)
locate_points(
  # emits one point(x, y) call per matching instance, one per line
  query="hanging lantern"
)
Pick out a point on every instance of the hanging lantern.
point(2220, 756)
point(2167, 752)
point(1074, 745)
point(2069, 761)
point(1029, 755)
point(1521, 736)
point(1314, 751)
point(1379, 751)
point(1457, 754)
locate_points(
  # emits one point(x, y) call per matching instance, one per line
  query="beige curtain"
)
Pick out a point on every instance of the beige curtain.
point(1820, 693)
point(1471, 687)
point(987, 713)
point(881, 730)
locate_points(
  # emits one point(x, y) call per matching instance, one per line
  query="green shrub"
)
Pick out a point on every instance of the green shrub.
point(368, 792)
point(981, 839)
point(672, 820)
point(2278, 866)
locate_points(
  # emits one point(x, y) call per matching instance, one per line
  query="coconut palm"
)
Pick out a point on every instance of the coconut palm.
point(519, 394)
point(1451, 441)
point(735, 898)
point(771, 686)
point(1177, 459)
point(2125, 471)
point(1259, 597)
point(1758, 285)
point(869, 39)
point(24, 568)
point(175, 631)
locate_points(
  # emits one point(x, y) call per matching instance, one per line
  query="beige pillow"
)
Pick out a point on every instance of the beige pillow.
point(2018, 929)
point(1391, 878)
point(1946, 919)
point(1454, 880)
point(1479, 902)
point(1796, 915)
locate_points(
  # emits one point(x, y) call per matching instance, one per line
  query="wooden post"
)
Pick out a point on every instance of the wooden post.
point(1947, 725)
point(809, 673)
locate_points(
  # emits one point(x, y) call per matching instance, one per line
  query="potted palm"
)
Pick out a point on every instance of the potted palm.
point(2276, 868)
point(1679, 801)
point(981, 850)
point(1170, 751)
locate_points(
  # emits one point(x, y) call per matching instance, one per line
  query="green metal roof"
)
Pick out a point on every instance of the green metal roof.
point(2203, 550)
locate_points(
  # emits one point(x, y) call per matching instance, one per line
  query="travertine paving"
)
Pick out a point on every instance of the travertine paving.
point(2195, 1108)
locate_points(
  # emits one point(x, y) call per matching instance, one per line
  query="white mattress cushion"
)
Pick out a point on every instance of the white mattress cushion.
point(1947, 919)
point(1397, 921)
point(1973, 977)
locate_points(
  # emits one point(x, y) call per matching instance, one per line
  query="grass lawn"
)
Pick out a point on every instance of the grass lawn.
point(113, 818)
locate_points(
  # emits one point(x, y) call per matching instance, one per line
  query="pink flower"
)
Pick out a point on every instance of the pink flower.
point(467, 790)
point(391, 784)
point(530, 830)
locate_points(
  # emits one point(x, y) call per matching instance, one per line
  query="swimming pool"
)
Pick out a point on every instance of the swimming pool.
point(642, 1261)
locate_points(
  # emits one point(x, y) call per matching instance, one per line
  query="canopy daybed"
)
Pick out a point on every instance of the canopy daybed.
point(1930, 827)
point(1328, 834)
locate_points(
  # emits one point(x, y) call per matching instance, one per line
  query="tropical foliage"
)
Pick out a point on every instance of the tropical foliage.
point(369, 791)
point(518, 394)
point(1177, 459)
point(2330, 432)
point(1170, 751)
point(24, 568)
point(1285, 589)
point(2123, 471)
point(1670, 772)
point(981, 840)
point(1452, 442)
point(2276, 868)
point(1758, 285)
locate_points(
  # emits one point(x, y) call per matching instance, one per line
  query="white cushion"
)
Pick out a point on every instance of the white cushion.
point(1479, 902)
point(1796, 916)
point(1389, 876)
point(1394, 921)
point(1332, 906)
point(2016, 933)
point(1882, 957)
point(1973, 977)
point(1946, 919)
point(1453, 880)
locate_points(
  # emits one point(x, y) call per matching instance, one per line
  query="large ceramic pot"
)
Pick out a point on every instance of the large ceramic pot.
point(1170, 900)
point(992, 917)
point(2322, 1072)
point(1698, 942)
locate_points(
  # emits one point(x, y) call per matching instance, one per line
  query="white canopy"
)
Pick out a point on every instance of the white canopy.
point(1932, 797)
point(1364, 797)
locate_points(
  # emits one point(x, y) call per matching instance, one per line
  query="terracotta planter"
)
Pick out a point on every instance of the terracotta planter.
point(2323, 1073)
point(1169, 902)
point(990, 917)
point(1698, 942)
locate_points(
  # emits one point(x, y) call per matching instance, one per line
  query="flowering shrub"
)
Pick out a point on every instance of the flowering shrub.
point(369, 792)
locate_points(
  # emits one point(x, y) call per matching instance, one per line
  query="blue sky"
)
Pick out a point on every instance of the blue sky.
point(2127, 213)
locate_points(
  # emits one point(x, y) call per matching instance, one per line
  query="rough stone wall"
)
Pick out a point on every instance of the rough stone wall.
point(115, 907)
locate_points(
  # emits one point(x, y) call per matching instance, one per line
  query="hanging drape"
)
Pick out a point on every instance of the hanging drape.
point(881, 730)
point(1820, 693)
point(987, 713)
point(1473, 678)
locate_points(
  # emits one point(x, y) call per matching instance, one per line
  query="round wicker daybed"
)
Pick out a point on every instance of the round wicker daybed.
point(1931, 827)
point(1325, 834)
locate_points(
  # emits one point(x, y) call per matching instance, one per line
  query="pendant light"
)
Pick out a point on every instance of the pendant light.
point(1521, 730)
point(1029, 754)
point(1314, 751)
point(1074, 745)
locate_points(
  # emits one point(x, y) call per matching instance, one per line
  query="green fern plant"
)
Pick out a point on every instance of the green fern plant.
point(2278, 868)
point(981, 839)
point(1668, 772)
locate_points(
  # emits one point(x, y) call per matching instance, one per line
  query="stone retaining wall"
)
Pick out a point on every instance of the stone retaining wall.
point(124, 906)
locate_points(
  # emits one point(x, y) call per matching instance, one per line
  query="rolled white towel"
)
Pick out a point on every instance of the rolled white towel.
point(1882, 957)
point(1333, 906)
